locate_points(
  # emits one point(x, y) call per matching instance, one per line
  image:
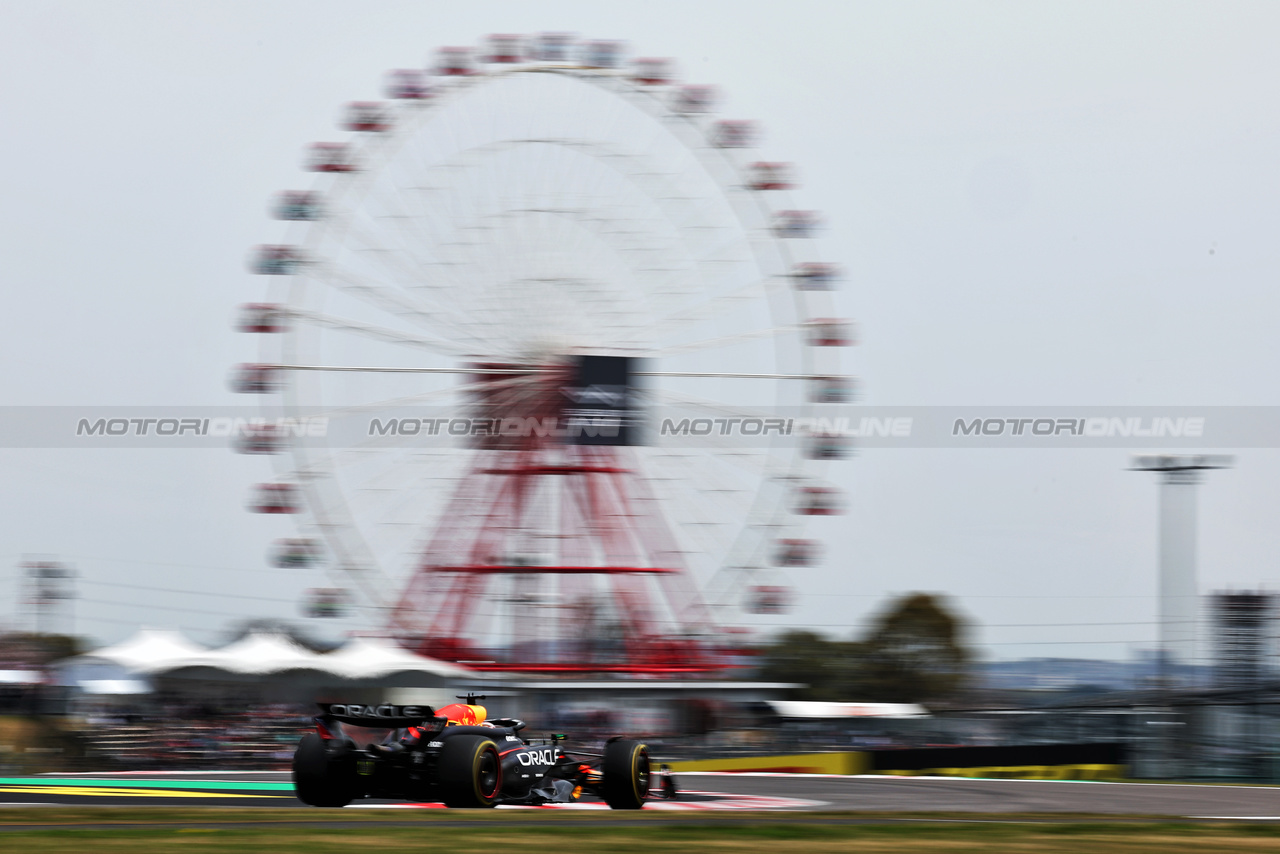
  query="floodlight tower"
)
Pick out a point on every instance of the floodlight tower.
point(50, 589)
point(1178, 593)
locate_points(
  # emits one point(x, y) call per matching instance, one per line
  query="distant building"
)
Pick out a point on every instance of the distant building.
point(1058, 674)
point(1244, 635)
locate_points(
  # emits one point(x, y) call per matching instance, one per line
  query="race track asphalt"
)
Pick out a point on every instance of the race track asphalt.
point(708, 791)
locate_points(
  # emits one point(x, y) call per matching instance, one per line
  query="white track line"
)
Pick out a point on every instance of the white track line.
point(723, 801)
point(679, 774)
point(151, 773)
point(1147, 783)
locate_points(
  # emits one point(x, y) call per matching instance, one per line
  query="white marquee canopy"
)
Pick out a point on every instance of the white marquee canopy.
point(152, 652)
point(147, 652)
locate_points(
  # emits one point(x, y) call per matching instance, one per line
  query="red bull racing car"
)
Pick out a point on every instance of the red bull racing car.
point(457, 756)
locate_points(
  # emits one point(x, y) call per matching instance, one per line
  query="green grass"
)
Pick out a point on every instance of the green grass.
point(218, 830)
point(136, 783)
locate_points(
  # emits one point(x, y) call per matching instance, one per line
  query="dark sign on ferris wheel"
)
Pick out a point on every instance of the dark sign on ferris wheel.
point(603, 402)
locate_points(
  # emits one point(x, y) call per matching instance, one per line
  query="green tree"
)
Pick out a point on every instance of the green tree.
point(809, 658)
point(35, 648)
point(914, 652)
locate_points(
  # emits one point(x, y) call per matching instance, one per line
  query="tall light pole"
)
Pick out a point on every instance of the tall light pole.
point(1179, 596)
point(50, 586)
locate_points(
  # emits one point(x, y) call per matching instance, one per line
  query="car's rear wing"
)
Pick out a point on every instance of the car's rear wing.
point(384, 715)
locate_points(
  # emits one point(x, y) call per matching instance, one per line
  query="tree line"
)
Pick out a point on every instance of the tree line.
point(915, 651)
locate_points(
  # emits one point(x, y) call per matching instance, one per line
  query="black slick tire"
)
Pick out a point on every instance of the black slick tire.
point(626, 775)
point(470, 772)
point(319, 778)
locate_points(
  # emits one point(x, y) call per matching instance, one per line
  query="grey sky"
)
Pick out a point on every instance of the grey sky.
point(1037, 204)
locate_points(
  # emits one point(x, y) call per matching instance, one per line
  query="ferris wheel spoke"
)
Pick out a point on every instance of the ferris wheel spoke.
point(328, 273)
point(763, 465)
point(721, 408)
point(414, 276)
point(727, 339)
point(581, 237)
point(398, 499)
point(382, 297)
point(378, 333)
point(393, 403)
point(663, 187)
point(404, 250)
point(342, 460)
point(406, 206)
point(747, 291)
point(437, 228)
point(724, 482)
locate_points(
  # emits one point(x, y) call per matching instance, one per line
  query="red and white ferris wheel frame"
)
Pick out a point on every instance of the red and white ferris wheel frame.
point(780, 238)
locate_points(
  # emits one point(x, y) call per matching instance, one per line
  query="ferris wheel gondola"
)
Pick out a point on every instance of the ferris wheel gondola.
point(483, 232)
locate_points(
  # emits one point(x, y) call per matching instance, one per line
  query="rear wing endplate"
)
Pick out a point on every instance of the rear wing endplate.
point(384, 715)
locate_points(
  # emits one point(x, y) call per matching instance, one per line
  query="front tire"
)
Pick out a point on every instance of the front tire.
point(626, 774)
point(321, 779)
point(470, 772)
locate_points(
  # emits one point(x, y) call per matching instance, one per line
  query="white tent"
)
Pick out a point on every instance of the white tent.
point(372, 658)
point(20, 677)
point(148, 651)
point(257, 654)
point(114, 687)
point(261, 659)
point(818, 709)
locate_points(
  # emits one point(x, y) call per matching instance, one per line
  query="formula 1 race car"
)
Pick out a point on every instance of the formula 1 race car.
point(456, 756)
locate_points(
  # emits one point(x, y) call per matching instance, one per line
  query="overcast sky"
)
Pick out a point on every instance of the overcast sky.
point(1037, 204)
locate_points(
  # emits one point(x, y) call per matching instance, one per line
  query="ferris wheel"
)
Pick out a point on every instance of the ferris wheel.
point(499, 219)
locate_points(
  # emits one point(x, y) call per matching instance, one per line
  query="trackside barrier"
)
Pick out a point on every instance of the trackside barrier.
point(800, 763)
point(1020, 772)
point(1096, 761)
point(1064, 761)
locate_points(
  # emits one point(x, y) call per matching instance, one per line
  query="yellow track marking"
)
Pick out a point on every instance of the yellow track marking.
point(114, 792)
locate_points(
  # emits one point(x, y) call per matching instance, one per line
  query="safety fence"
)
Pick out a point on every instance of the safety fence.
point(1098, 761)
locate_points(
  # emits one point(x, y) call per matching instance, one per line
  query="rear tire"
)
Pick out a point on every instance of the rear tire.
point(320, 778)
point(626, 775)
point(470, 772)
